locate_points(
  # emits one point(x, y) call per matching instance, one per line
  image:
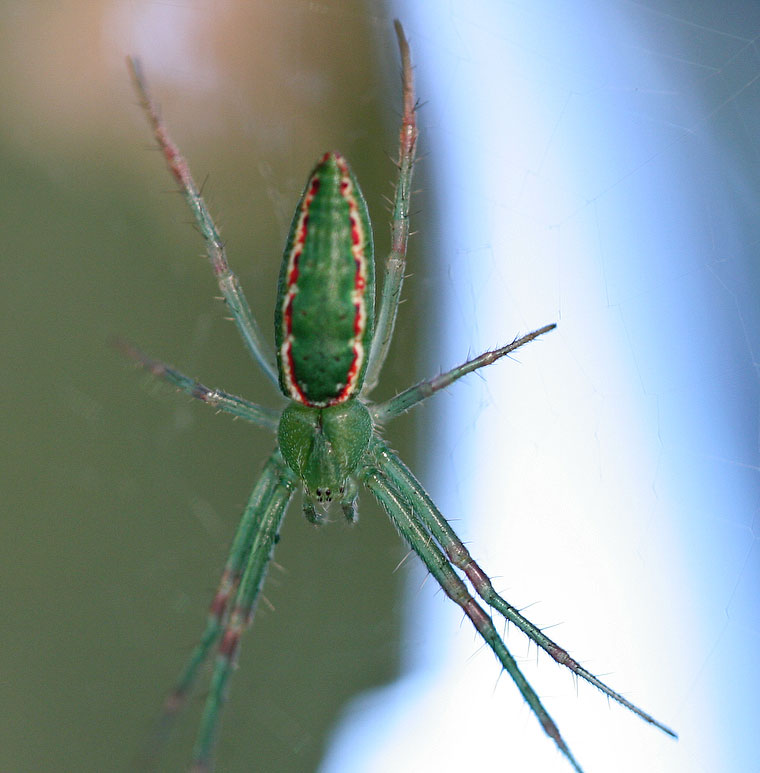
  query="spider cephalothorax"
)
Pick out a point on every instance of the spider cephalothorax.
point(324, 447)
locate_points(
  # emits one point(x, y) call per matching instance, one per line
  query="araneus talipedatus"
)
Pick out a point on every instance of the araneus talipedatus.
point(330, 348)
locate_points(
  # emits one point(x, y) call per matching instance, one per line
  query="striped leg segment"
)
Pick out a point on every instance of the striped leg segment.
point(396, 262)
point(416, 394)
point(228, 282)
point(432, 518)
point(216, 398)
point(264, 536)
point(240, 553)
point(401, 510)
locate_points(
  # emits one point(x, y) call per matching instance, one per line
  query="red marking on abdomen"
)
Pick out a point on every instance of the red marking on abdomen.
point(293, 275)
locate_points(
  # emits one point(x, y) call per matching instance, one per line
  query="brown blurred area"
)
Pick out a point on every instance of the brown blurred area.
point(120, 497)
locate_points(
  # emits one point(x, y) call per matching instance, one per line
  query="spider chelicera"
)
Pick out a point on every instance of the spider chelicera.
point(330, 348)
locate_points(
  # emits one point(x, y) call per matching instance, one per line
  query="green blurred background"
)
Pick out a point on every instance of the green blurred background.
point(120, 496)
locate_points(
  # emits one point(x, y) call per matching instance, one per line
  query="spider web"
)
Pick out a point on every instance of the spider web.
point(594, 165)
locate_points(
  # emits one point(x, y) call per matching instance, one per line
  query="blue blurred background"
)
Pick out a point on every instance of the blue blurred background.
point(593, 164)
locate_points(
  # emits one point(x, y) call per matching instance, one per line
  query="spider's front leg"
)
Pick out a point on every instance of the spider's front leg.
point(430, 535)
point(457, 553)
point(249, 553)
point(257, 546)
point(401, 503)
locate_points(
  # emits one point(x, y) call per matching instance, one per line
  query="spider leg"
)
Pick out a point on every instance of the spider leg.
point(416, 394)
point(432, 518)
point(228, 282)
point(395, 264)
point(249, 526)
point(401, 509)
point(264, 537)
point(237, 406)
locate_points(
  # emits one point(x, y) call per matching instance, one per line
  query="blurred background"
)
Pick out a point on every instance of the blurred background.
point(595, 166)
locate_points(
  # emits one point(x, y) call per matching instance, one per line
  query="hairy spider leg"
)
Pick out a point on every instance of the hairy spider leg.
point(239, 556)
point(414, 395)
point(395, 264)
point(216, 398)
point(228, 281)
point(264, 539)
point(400, 507)
point(268, 418)
point(432, 518)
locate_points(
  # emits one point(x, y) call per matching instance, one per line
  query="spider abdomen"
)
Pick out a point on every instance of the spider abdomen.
point(325, 307)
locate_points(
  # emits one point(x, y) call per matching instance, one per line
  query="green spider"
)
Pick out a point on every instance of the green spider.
point(330, 348)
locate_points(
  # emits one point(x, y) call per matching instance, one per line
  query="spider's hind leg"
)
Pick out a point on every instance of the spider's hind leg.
point(228, 282)
point(395, 264)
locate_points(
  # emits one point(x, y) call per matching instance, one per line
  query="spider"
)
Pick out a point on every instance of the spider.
point(330, 348)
